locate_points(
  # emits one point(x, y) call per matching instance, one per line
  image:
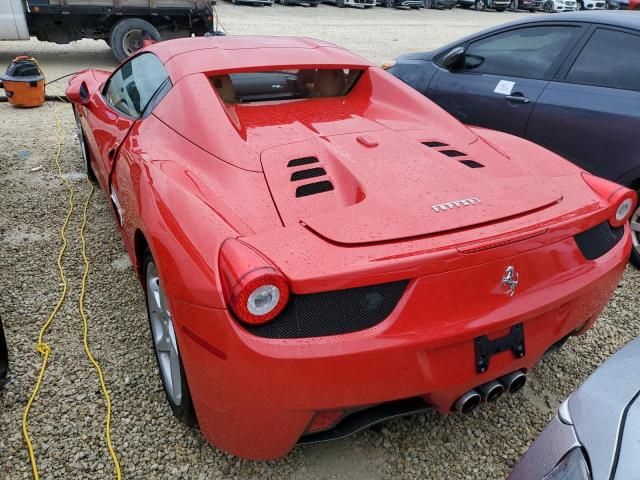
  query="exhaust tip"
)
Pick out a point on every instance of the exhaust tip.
point(491, 391)
point(468, 402)
point(514, 382)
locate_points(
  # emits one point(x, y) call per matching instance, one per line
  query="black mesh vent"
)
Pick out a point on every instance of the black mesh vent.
point(434, 144)
point(313, 188)
point(472, 163)
point(310, 173)
point(302, 161)
point(598, 240)
point(333, 313)
point(453, 153)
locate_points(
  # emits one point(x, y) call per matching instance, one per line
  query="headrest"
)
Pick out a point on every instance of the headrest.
point(224, 87)
point(329, 83)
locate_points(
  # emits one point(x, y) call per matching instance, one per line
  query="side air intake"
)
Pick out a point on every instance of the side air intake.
point(434, 144)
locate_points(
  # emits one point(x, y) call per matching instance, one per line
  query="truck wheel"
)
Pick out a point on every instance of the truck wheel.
point(127, 36)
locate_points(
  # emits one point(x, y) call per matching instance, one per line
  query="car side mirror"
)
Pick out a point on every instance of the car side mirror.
point(454, 59)
point(78, 92)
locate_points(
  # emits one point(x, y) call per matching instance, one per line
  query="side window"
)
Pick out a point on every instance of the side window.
point(526, 52)
point(609, 59)
point(134, 84)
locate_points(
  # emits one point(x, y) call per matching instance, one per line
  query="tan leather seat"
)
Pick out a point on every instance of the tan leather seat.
point(329, 83)
point(224, 87)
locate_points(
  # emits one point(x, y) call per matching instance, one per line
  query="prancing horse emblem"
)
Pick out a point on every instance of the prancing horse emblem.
point(510, 280)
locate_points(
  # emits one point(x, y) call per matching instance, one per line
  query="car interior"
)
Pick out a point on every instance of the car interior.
point(284, 85)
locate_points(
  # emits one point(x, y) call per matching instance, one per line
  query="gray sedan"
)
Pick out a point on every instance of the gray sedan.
point(596, 433)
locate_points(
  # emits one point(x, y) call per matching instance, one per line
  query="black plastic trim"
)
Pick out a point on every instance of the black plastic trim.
point(361, 419)
point(598, 240)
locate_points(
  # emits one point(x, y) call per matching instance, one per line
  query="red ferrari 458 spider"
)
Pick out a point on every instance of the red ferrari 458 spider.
point(323, 248)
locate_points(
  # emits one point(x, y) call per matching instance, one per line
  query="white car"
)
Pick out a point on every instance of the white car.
point(592, 4)
point(551, 6)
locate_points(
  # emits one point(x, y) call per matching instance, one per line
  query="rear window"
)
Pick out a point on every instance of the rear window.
point(284, 84)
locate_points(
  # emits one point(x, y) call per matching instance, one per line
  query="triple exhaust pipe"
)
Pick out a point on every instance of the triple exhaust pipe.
point(490, 391)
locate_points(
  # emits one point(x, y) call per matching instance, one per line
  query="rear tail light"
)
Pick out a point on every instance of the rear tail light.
point(621, 198)
point(324, 420)
point(254, 288)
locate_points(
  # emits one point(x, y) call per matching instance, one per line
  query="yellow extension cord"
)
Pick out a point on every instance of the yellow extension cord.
point(43, 348)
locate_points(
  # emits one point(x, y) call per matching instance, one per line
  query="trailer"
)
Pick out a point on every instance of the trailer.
point(123, 24)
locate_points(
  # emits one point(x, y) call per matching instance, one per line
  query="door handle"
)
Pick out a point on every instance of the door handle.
point(517, 98)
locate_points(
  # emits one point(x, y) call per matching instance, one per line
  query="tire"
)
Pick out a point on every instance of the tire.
point(340, 4)
point(548, 7)
point(513, 6)
point(500, 9)
point(580, 5)
point(427, 4)
point(4, 355)
point(532, 10)
point(165, 345)
point(126, 36)
point(480, 5)
point(84, 148)
point(635, 236)
point(314, 4)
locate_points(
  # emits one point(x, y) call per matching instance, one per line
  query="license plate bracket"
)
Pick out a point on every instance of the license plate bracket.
point(486, 348)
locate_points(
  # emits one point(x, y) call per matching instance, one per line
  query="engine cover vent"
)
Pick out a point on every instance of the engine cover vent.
point(298, 162)
point(472, 164)
point(313, 188)
point(453, 153)
point(309, 173)
point(434, 144)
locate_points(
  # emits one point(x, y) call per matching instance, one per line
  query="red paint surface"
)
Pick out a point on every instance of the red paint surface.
point(197, 172)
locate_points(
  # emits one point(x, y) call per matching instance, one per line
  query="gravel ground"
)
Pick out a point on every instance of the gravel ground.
point(66, 421)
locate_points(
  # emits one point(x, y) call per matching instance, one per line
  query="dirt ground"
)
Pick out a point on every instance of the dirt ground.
point(66, 422)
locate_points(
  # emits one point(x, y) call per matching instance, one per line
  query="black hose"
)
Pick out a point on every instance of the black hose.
point(48, 98)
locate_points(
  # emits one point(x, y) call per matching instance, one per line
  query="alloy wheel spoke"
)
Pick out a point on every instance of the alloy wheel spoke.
point(635, 226)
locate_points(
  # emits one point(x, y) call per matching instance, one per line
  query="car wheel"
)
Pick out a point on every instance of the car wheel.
point(314, 4)
point(480, 5)
point(548, 7)
point(127, 37)
point(580, 6)
point(84, 149)
point(513, 6)
point(427, 3)
point(532, 10)
point(500, 9)
point(340, 3)
point(635, 236)
point(4, 355)
point(165, 345)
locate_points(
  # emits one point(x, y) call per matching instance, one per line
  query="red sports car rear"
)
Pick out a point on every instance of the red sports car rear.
point(323, 248)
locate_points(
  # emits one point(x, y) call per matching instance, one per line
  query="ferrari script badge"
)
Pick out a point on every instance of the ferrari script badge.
point(510, 280)
point(465, 202)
